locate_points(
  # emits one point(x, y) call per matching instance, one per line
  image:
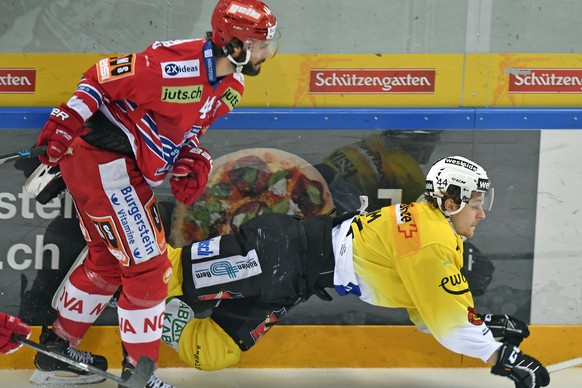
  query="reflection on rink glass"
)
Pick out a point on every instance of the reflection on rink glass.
point(248, 183)
point(28, 254)
point(394, 195)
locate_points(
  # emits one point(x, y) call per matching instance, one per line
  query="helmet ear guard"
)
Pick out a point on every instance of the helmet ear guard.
point(457, 171)
point(229, 49)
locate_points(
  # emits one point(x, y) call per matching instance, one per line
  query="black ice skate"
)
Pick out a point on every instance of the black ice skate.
point(154, 381)
point(50, 371)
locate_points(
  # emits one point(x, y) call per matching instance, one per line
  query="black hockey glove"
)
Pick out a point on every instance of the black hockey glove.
point(525, 371)
point(506, 328)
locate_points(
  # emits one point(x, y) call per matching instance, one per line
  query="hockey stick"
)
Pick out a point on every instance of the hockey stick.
point(141, 374)
point(564, 365)
point(31, 153)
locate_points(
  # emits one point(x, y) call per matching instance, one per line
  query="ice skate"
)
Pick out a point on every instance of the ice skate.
point(51, 371)
point(154, 381)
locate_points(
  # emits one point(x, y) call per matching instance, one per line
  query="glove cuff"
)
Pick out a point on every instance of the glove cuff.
point(197, 153)
point(64, 112)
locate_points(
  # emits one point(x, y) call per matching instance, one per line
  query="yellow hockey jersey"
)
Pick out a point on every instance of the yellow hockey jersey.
point(408, 256)
point(401, 256)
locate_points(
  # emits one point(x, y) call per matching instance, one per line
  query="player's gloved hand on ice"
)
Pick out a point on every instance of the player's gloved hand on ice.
point(506, 328)
point(9, 325)
point(190, 174)
point(62, 127)
point(525, 371)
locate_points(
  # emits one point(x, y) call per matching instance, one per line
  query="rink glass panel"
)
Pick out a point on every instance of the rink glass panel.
point(39, 242)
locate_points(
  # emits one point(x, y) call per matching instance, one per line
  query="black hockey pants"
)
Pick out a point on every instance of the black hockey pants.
point(258, 274)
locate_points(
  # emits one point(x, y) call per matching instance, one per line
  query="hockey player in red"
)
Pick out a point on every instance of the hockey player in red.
point(132, 120)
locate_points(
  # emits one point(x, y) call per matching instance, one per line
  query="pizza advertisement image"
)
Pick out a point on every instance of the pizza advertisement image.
point(248, 183)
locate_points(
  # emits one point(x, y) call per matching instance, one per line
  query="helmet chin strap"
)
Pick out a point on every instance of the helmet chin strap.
point(448, 214)
point(239, 65)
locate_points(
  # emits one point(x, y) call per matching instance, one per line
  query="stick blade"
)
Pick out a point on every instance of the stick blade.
point(141, 374)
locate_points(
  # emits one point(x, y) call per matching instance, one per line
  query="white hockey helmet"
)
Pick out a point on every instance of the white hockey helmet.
point(463, 173)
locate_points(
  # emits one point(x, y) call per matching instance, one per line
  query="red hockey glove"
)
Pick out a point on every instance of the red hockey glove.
point(9, 325)
point(190, 174)
point(63, 125)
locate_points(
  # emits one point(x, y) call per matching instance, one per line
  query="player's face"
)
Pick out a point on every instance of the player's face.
point(260, 50)
point(253, 67)
point(467, 219)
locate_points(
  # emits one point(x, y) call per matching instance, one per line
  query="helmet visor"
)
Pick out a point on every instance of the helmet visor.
point(264, 48)
point(489, 196)
point(481, 199)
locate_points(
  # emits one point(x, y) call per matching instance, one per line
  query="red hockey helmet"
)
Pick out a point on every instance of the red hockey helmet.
point(246, 20)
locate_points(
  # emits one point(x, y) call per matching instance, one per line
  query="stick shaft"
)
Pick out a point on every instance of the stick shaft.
point(564, 365)
point(30, 153)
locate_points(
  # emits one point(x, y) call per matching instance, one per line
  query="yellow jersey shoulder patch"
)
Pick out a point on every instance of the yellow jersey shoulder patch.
point(405, 231)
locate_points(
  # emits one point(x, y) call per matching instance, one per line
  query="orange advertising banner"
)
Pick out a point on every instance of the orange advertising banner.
point(517, 80)
point(41, 79)
point(343, 80)
point(17, 81)
point(364, 80)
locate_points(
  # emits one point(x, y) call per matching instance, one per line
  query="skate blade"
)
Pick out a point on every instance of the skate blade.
point(60, 378)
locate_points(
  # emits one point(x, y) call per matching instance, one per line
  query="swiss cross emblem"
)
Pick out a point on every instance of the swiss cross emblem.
point(407, 229)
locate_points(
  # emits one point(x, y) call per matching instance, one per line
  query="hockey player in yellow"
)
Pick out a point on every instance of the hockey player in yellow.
point(401, 256)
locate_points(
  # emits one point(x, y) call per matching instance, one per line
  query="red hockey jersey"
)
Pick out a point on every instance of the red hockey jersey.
point(162, 99)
